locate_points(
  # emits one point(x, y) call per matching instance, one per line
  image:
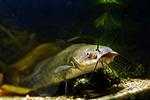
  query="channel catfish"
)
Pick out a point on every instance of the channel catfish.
point(74, 61)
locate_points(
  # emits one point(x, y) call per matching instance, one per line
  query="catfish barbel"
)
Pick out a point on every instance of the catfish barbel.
point(74, 61)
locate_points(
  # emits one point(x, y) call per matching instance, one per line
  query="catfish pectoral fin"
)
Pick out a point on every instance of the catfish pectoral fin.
point(62, 68)
point(75, 65)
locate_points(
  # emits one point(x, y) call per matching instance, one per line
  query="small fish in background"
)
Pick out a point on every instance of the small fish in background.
point(74, 61)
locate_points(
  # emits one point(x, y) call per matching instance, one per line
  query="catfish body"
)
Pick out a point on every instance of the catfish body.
point(76, 60)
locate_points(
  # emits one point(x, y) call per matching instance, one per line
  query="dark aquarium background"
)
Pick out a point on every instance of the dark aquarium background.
point(124, 25)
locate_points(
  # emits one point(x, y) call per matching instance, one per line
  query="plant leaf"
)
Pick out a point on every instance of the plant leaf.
point(107, 21)
point(108, 1)
point(101, 20)
point(15, 89)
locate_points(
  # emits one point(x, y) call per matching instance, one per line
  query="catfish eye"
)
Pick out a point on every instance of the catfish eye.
point(87, 53)
point(91, 55)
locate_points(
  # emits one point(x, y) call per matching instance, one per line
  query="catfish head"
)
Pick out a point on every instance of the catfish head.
point(86, 58)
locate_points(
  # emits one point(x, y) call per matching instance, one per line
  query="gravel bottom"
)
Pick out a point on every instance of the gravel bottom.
point(40, 98)
point(130, 88)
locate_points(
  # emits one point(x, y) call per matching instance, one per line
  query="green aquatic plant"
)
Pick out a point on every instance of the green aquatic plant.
point(18, 39)
point(14, 43)
point(107, 21)
point(23, 38)
point(129, 70)
point(11, 36)
point(79, 37)
point(107, 1)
